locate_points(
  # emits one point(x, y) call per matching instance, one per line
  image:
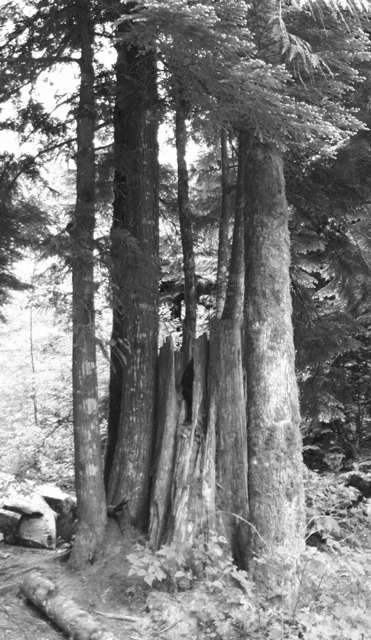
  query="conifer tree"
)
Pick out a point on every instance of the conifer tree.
point(88, 464)
point(135, 275)
point(41, 39)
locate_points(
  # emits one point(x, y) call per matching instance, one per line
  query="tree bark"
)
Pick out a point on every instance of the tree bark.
point(190, 505)
point(167, 419)
point(135, 276)
point(88, 468)
point(274, 442)
point(234, 299)
point(224, 247)
point(227, 418)
point(276, 496)
point(61, 610)
point(186, 231)
point(227, 404)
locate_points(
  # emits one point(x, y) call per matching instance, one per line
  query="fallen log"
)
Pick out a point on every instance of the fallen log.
point(76, 623)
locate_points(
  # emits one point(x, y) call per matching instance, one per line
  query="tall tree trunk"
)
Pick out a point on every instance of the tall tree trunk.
point(88, 467)
point(227, 404)
point(186, 231)
point(233, 307)
point(135, 276)
point(224, 248)
point(274, 441)
point(276, 497)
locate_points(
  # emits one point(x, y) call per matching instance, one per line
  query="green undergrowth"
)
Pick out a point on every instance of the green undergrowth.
point(206, 589)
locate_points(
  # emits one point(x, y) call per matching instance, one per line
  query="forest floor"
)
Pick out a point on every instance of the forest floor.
point(334, 603)
point(103, 589)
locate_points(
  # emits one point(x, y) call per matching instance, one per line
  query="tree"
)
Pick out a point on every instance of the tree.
point(227, 401)
point(224, 252)
point(32, 50)
point(135, 275)
point(88, 465)
point(185, 220)
point(276, 496)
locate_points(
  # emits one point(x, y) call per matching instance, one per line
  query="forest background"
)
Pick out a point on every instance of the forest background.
point(276, 101)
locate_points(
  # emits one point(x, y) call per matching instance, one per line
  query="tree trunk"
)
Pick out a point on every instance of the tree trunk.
point(190, 505)
point(274, 443)
point(167, 419)
point(186, 231)
point(135, 276)
point(227, 418)
point(227, 404)
point(88, 468)
point(233, 308)
point(224, 248)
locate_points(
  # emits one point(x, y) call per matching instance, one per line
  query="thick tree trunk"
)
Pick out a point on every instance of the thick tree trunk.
point(135, 275)
point(186, 232)
point(274, 441)
point(91, 503)
point(224, 246)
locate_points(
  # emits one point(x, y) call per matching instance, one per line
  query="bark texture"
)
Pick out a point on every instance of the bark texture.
point(224, 246)
point(227, 404)
point(235, 291)
point(227, 418)
point(190, 505)
point(186, 232)
point(167, 419)
point(76, 623)
point(274, 441)
point(88, 468)
point(135, 273)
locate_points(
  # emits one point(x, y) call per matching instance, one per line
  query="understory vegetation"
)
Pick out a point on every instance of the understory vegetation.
point(185, 305)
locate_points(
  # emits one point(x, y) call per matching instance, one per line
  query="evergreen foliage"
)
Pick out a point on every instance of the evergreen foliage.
point(312, 108)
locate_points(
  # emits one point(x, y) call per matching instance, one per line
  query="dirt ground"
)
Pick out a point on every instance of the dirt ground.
point(104, 590)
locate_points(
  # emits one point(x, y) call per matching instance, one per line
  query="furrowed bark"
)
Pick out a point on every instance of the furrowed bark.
point(167, 418)
point(274, 442)
point(276, 497)
point(233, 307)
point(227, 404)
point(90, 493)
point(224, 246)
point(190, 504)
point(135, 275)
point(186, 232)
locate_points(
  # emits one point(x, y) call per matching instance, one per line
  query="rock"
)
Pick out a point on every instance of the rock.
point(37, 525)
point(368, 509)
point(65, 507)
point(360, 481)
point(9, 522)
point(60, 501)
point(365, 466)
